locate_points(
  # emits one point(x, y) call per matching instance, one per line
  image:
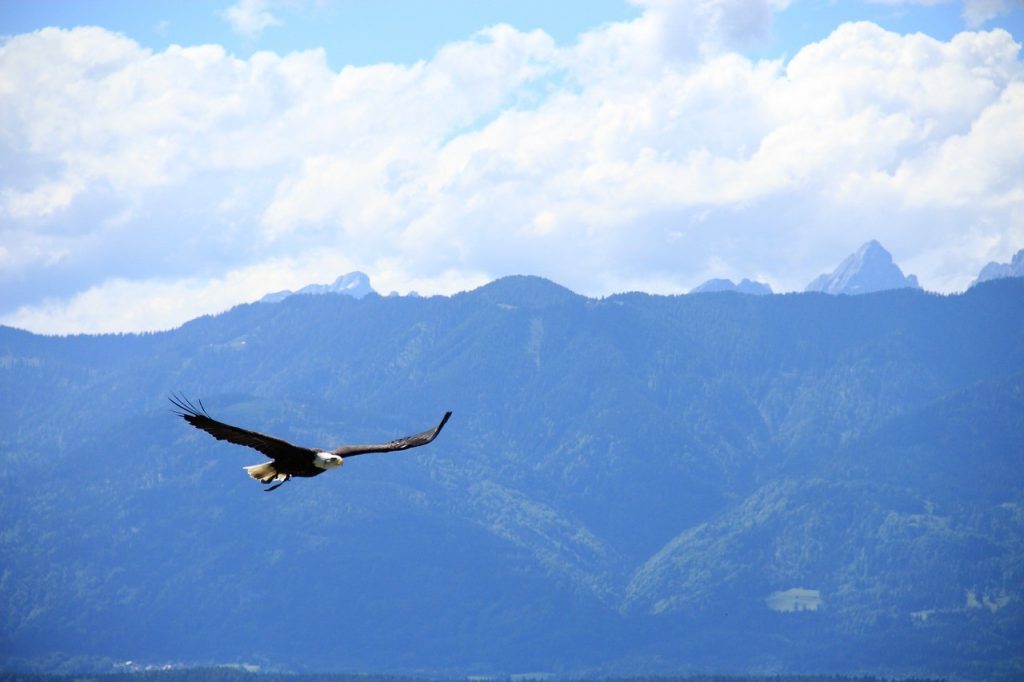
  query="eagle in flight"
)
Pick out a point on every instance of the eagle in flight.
point(286, 459)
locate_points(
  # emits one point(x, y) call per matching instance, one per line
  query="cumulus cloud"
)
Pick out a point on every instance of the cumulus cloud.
point(121, 305)
point(978, 12)
point(975, 12)
point(250, 17)
point(669, 33)
point(141, 188)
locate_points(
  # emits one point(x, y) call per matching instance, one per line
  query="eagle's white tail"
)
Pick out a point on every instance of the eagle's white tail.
point(265, 473)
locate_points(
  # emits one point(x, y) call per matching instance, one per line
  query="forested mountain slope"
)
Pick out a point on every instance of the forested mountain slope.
point(630, 485)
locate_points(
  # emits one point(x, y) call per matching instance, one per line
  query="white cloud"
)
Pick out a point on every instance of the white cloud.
point(120, 305)
point(250, 17)
point(975, 12)
point(669, 32)
point(982, 167)
point(649, 154)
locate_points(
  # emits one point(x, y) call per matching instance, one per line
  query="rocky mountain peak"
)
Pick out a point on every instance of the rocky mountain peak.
point(745, 286)
point(870, 268)
point(1015, 268)
point(355, 284)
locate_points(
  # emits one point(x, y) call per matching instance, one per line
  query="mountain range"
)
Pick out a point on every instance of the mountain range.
point(869, 269)
point(631, 485)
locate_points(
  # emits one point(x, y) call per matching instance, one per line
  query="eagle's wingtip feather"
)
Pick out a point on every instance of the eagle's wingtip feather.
point(187, 407)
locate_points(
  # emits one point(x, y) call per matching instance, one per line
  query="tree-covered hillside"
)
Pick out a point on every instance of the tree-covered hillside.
point(631, 485)
point(237, 674)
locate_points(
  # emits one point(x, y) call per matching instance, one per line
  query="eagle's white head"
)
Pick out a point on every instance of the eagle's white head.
point(325, 460)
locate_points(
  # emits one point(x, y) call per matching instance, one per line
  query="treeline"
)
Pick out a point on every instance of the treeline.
point(206, 674)
point(230, 674)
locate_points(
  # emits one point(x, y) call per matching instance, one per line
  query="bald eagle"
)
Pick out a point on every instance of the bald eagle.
point(286, 459)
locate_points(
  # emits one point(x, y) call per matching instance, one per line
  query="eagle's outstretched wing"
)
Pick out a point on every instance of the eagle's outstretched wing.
point(397, 444)
point(272, 447)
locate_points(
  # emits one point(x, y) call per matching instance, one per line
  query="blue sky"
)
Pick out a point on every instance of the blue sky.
point(356, 32)
point(364, 32)
point(162, 160)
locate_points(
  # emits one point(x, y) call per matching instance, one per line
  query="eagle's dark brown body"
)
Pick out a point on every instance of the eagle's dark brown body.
point(287, 459)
